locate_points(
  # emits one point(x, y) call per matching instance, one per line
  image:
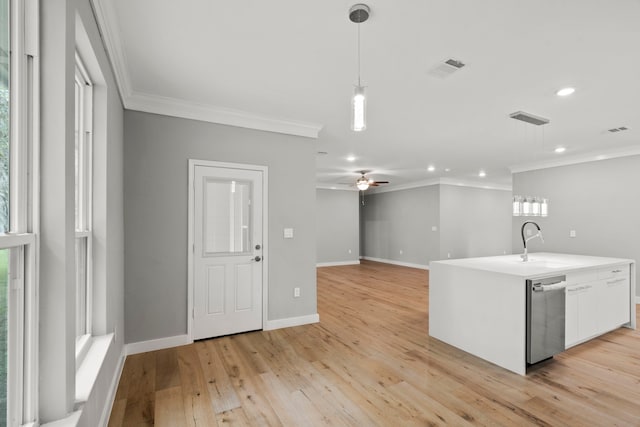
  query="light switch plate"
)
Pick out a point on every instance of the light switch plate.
point(572, 233)
point(288, 233)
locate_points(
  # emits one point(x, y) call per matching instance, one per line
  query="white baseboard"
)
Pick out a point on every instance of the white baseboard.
point(157, 344)
point(334, 264)
point(291, 321)
point(113, 388)
point(394, 262)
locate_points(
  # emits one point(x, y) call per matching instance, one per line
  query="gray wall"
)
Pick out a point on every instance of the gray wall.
point(157, 149)
point(337, 226)
point(474, 222)
point(469, 222)
point(599, 200)
point(67, 25)
point(401, 220)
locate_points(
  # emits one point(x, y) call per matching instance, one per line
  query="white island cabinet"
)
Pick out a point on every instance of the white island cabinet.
point(479, 304)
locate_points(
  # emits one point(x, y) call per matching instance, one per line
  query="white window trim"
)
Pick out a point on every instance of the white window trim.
point(84, 229)
point(24, 221)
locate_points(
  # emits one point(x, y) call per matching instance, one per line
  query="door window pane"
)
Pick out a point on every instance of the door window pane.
point(227, 216)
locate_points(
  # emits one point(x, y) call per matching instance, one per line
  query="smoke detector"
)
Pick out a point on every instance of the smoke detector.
point(529, 118)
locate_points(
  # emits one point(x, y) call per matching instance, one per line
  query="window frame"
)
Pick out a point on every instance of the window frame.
point(84, 207)
point(21, 238)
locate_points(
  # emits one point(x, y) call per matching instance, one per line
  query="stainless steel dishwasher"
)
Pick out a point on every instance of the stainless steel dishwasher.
point(545, 317)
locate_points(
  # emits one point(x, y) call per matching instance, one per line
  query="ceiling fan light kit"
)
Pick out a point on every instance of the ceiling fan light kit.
point(358, 14)
point(362, 183)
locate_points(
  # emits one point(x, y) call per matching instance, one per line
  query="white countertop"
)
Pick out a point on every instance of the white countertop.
point(539, 264)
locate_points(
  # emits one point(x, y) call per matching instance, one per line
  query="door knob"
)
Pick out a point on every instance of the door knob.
point(257, 258)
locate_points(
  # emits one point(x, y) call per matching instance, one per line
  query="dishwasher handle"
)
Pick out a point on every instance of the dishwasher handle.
point(550, 287)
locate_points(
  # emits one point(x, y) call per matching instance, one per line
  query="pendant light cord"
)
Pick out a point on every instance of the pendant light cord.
point(359, 54)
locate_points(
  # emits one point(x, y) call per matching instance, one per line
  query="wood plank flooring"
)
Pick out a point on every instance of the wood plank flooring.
point(370, 362)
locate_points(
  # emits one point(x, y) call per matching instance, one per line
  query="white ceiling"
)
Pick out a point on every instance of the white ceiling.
point(290, 65)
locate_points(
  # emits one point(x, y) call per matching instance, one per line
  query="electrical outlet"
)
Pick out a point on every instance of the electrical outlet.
point(296, 292)
point(572, 233)
point(448, 254)
point(401, 252)
point(349, 250)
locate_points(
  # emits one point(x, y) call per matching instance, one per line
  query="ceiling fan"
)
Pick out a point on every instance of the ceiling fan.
point(364, 183)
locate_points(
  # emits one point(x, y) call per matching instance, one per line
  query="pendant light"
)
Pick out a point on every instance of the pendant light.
point(359, 13)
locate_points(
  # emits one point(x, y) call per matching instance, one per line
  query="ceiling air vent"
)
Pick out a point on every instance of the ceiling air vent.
point(529, 118)
point(620, 129)
point(446, 68)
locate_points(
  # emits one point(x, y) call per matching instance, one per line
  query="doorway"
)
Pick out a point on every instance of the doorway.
point(227, 241)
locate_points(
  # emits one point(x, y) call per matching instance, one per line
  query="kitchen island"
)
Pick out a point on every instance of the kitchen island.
point(479, 304)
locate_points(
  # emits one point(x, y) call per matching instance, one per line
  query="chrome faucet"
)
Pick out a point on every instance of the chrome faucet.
point(525, 256)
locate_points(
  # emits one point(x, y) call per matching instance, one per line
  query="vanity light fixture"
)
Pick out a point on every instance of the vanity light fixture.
point(351, 158)
point(560, 150)
point(565, 91)
point(431, 168)
point(358, 14)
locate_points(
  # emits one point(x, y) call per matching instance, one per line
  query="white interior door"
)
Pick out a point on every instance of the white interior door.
point(227, 262)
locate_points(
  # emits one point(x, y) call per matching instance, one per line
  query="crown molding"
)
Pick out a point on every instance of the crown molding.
point(341, 187)
point(573, 160)
point(106, 16)
point(444, 181)
point(226, 116)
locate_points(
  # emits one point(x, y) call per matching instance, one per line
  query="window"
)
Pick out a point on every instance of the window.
point(18, 342)
point(83, 203)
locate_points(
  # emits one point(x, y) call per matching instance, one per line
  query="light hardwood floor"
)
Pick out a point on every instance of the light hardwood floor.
point(370, 362)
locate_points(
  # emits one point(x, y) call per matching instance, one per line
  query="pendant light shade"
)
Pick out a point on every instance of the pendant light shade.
point(359, 110)
point(530, 206)
point(357, 14)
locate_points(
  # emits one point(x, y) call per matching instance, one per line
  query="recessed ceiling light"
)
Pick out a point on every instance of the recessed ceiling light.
point(565, 91)
point(351, 158)
point(482, 174)
point(447, 169)
point(560, 150)
point(431, 168)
